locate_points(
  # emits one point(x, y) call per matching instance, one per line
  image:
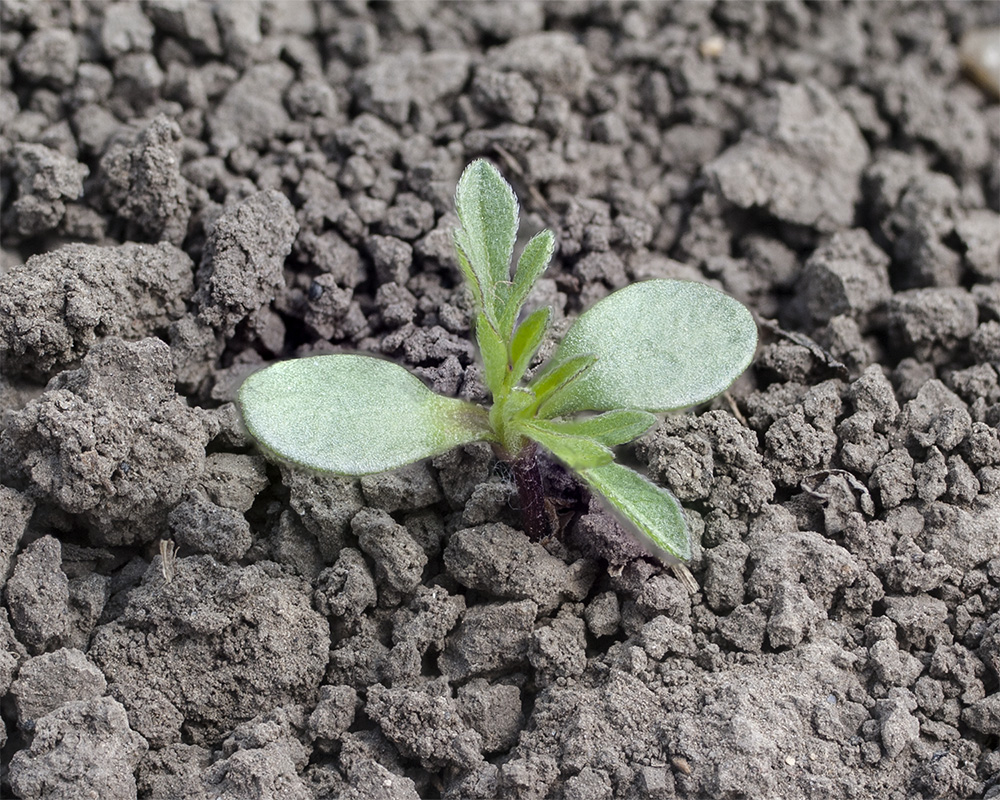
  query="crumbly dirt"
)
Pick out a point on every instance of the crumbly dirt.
point(191, 190)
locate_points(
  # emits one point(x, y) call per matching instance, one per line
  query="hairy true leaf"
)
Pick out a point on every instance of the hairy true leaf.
point(526, 341)
point(554, 379)
point(649, 509)
point(487, 210)
point(494, 353)
point(468, 272)
point(576, 452)
point(532, 263)
point(660, 345)
point(610, 428)
point(353, 415)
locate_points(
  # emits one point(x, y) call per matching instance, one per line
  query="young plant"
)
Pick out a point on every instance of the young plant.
point(650, 347)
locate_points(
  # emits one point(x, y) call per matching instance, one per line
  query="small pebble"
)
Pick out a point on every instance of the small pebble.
point(980, 55)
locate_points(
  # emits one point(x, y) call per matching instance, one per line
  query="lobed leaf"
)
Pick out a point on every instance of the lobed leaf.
point(659, 345)
point(353, 414)
point(649, 509)
point(610, 429)
point(487, 209)
point(526, 341)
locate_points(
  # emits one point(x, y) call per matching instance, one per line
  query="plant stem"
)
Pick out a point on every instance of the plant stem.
point(529, 488)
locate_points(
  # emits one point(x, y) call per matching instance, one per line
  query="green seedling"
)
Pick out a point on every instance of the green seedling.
point(651, 347)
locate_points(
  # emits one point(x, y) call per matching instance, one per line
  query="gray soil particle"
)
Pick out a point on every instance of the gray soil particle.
point(37, 595)
point(251, 111)
point(45, 180)
point(325, 504)
point(724, 575)
point(111, 441)
point(744, 627)
point(142, 183)
point(493, 710)
point(173, 771)
point(84, 746)
point(150, 713)
point(603, 614)
point(977, 230)
point(399, 560)
point(734, 481)
point(800, 162)
point(792, 615)
point(503, 563)
point(370, 780)
point(47, 681)
point(491, 638)
point(932, 323)
point(246, 626)
point(200, 526)
point(15, 512)
point(847, 275)
point(823, 567)
point(233, 480)
point(406, 489)
point(898, 727)
point(919, 618)
point(241, 270)
point(49, 57)
point(80, 294)
point(398, 87)
point(347, 588)
point(553, 62)
point(425, 725)
point(558, 650)
point(265, 773)
point(661, 636)
point(984, 715)
point(965, 537)
point(461, 470)
point(333, 714)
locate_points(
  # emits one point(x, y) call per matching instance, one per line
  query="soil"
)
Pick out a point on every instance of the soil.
point(191, 190)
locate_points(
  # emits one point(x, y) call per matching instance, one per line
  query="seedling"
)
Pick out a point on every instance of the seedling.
point(650, 347)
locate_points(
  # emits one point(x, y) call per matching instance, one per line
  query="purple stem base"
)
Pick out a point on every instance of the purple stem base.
point(529, 488)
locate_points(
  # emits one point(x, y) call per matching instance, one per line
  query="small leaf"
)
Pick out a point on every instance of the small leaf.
point(610, 428)
point(651, 510)
point(526, 341)
point(468, 273)
point(660, 345)
point(534, 259)
point(353, 415)
point(576, 452)
point(487, 210)
point(494, 353)
point(555, 378)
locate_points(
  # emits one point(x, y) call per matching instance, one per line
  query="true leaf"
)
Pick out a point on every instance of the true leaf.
point(531, 264)
point(610, 428)
point(353, 414)
point(494, 352)
point(526, 341)
point(651, 510)
point(660, 345)
point(488, 212)
point(553, 379)
point(576, 452)
point(468, 272)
